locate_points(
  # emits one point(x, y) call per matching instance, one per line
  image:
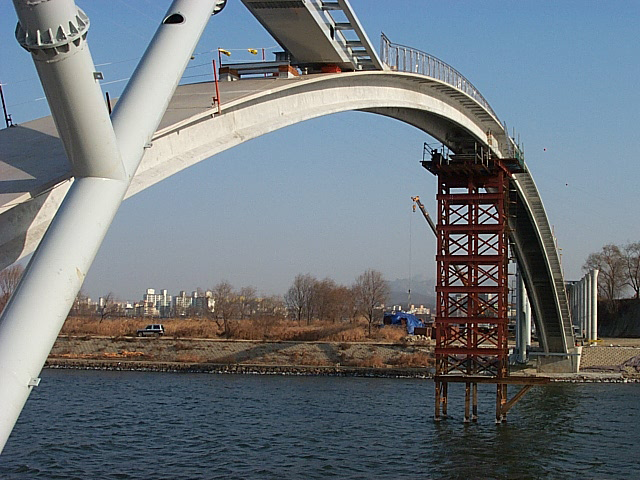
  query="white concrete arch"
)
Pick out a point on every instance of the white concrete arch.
point(407, 97)
point(192, 131)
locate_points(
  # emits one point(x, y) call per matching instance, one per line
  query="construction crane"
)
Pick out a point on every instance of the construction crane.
point(427, 217)
point(425, 214)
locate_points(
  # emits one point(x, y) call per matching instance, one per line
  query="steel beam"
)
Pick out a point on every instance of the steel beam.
point(103, 168)
point(472, 288)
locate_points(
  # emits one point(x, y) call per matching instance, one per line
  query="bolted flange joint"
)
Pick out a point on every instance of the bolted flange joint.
point(55, 40)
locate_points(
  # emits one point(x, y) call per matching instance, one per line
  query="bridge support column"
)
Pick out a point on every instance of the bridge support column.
point(523, 320)
point(587, 305)
point(583, 309)
point(527, 322)
point(594, 304)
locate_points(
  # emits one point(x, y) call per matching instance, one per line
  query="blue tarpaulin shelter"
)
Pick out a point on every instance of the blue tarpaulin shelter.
point(400, 318)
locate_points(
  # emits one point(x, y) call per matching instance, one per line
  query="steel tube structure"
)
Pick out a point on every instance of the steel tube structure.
point(523, 320)
point(584, 305)
point(594, 304)
point(54, 32)
point(581, 308)
point(587, 304)
point(527, 320)
point(103, 169)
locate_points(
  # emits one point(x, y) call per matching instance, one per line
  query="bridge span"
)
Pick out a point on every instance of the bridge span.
point(193, 130)
point(64, 205)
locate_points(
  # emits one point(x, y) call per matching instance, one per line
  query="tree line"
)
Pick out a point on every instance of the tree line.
point(619, 267)
point(309, 299)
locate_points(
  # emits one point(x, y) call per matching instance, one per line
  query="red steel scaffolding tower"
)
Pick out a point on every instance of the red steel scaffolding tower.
point(472, 278)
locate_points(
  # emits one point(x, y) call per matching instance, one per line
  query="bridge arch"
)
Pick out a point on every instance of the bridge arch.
point(438, 109)
point(410, 98)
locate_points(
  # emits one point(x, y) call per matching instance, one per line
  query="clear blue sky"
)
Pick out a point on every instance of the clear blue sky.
point(332, 196)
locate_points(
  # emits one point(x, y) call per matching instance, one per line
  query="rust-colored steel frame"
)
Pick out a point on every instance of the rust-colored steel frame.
point(472, 287)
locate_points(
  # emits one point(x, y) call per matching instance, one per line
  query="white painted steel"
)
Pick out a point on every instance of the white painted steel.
point(55, 274)
point(582, 310)
point(584, 301)
point(594, 303)
point(28, 328)
point(144, 101)
point(363, 38)
point(521, 321)
point(587, 305)
point(527, 320)
point(66, 71)
point(312, 35)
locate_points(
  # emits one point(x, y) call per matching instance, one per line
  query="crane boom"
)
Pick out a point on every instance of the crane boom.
point(427, 217)
point(425, 214)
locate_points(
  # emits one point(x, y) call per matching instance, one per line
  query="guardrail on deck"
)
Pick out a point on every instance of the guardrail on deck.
point(406, 59)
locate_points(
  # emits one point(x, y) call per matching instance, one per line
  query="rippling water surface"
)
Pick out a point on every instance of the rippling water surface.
point(125, 425)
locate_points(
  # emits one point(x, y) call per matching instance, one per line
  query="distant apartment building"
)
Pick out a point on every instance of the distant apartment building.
point(154, 304)
point(182, 304)
point(203, 304)
point(197, 304)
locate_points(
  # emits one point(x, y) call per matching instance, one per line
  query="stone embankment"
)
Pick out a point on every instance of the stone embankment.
point(612, 360)
point(617, 358)
point(238, 356)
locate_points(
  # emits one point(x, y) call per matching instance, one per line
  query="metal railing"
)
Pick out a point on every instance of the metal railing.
point(406, 59)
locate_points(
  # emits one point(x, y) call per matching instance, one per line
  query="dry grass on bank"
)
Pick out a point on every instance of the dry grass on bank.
point(248, 329)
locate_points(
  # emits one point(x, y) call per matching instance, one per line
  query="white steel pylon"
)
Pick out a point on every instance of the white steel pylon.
point(104, 153)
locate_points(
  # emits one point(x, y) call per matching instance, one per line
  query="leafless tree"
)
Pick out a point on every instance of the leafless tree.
point(323, 299)
point(631, 255)
point(225, 306)
point(109, 307)
point(612, 279)
point(9, 279)
point(333, 302)
point(80, 306)
point(370, 293)
point(246, 301)
point(344, 303)
point(299, 297)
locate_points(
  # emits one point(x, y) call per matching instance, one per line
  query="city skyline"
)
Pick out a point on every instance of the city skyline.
point(331, 196)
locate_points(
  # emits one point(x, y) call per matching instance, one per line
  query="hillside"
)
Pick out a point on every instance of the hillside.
point(624, 321)
point(422, 291)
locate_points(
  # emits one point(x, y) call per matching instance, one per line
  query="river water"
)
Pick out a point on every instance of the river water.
point(130, 425)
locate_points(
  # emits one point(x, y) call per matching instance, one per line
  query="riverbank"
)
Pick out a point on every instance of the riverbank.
point(613, 360)
point(243, 356)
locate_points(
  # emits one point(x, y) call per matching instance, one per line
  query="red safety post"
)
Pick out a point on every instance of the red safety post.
point(216, 99)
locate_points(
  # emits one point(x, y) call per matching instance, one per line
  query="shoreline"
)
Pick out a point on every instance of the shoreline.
point(336, 359)
point(421, 373)
point(240, 369)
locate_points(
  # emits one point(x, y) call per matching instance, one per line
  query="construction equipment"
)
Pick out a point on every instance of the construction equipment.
point(425, 214)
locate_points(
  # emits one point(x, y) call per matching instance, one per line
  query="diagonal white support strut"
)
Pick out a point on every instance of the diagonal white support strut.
point(104, 159)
